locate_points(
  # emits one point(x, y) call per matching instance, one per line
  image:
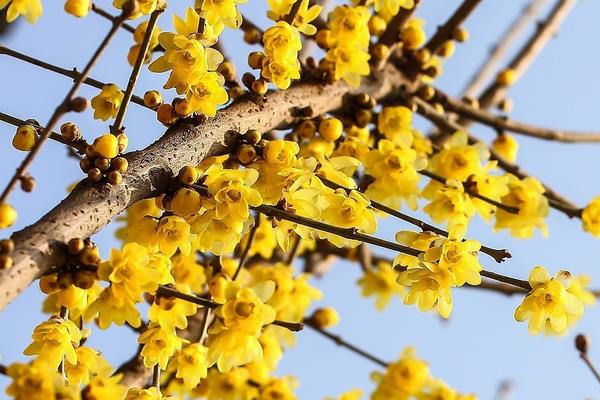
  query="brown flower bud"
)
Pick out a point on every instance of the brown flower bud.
point(582, 343)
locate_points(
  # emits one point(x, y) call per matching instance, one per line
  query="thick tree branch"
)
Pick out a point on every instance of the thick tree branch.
point(89, 207)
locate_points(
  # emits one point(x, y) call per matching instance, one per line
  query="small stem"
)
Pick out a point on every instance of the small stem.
point(169, 292)
point(293, 252)
point(341, 342)
point(110, 17)
point(590, 365)
point(70, 73)
point(201, 21)
point(246, 251)
point(135, 72)
point(79, 145)
point(3, 369)
point(471, 192)
point(289, 18)
point(506, 279)
point(497, 254)
point(444, 32)
point(60, 110)
point(156, 376)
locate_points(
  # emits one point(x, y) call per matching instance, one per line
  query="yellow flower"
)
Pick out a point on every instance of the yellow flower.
point(282, 41)
point(110, 308)
point(218, 236)
point(30, 9)
point(205, 95)
point(265, 239)
point(395, 171)
point(173, 234)
point(144, 7)
point(458, 159)
point(188, 272)
point(231, 192)
point(280, 72)
point(350, 63)
point(507, 146)
point(278, 389)
point(380, 282)
point(354, 394)
point(190, 364)
point(33, 381)
point(152, 393)
point(281, 153)
point(106, 104)
point(528, 196)
point(549, 306)
point(402, 379)
point(349, 26)
point(347, 211)
point(449, 203)
point(189, 25)
point(171, 312)
point(233, 339)
point(491, 186)
point(393, 5)
point(159, 345)
point(132, 271)
point(138, 36)
point(105, 387)
point(221, 12)
point(90, 363)
point(579, 288)
point(395, 123)
point(590, 217)
point(232, 385)
point(187, 58)
point(53, 340)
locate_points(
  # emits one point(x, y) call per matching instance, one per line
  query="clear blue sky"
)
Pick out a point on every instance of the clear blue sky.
point(481, 344)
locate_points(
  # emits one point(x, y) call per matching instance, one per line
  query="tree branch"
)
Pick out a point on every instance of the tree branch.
point(530, 50)
point(444, 32)
point(499, 50)
point(90, 206)
point(502, 123)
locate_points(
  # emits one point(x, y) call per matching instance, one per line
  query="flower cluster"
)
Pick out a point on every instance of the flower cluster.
point(280, 63)
point(193, 63)
point(348, 49)
point(444, 263)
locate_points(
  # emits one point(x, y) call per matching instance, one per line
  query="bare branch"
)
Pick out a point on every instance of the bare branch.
point(499, 50)
point(444, 32)
point(502, 123)
point(530, 50)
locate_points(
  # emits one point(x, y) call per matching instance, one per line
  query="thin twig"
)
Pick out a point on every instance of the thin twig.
point(201, 21)
point(530, 50)
point(444, 32)
point(499, 50)
point(590, 365)
point(71, 73)
point(244, 254)
point(448, 126)
point(156, 376)
point(352, 234)
point(62, 108)
point(110, 17)
point(497, 254)
point(341, 342)
point(135, 72)
point(503, 123)
point(169, 292)
point(291, 15)
point(78, 145)
point(471, 192)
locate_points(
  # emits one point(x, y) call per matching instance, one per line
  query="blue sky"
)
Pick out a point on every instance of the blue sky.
point(481, 344)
